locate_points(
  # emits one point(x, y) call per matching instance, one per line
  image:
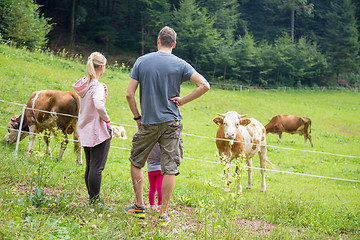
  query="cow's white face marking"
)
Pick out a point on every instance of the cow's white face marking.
point(231, 124)
point(12, 135)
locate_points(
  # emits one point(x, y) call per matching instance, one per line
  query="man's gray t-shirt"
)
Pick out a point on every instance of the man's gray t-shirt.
point(160, 75)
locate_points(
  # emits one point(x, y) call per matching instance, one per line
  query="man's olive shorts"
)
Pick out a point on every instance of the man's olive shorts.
point(169, 136)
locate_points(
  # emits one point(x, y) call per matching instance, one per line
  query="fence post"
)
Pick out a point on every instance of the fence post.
point(240, 88)
point(19, 132)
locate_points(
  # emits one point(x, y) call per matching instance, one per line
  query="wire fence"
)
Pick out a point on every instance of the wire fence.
point(192, 135)
point(241, 87)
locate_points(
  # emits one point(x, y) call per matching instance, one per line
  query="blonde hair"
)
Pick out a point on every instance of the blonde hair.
point(95, 60)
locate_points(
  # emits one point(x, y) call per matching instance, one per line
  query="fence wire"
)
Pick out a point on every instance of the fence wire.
point(205, 137)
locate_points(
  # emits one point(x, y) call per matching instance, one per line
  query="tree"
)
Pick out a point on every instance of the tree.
point(22, 23)
point(341, 37)
point(72, 23)
point(226, 16)
point(311, 64)
point(196, 37)
point(155, 14)
point(226, 19)
point(292, 6)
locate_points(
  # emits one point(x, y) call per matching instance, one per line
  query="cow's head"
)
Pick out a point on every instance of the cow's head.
point(13, 129)
point(231, 122)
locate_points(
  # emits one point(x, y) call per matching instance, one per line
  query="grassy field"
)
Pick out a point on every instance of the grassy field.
point(42, 198)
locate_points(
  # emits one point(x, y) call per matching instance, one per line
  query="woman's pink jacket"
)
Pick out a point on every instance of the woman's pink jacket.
point(92, 116)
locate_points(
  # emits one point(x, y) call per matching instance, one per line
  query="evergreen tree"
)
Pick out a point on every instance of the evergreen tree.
point(226, 16)
point(262, 19)
point(357, 12)
point(155, 14)
point(244, 60)
point(341, 39)
point(226, 19)
point(197, 39)
point(22, 24)
point(294, 6)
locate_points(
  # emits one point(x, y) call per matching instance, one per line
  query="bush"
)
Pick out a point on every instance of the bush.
point(20, 22)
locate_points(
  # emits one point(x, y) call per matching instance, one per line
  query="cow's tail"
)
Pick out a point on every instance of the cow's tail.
point(76, 102)
point(310, 127)
point(270, 163)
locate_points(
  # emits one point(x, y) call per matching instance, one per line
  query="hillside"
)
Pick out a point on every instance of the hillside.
point(297, 205)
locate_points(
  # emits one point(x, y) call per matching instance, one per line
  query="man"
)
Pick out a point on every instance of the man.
point(160, 75)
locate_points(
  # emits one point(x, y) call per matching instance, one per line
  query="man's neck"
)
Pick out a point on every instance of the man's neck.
point(165, 50)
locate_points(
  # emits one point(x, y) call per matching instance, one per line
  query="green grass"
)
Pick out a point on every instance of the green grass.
point(294, 206)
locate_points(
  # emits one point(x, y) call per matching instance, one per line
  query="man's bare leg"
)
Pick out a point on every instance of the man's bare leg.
point(168, 185)
point(137, 177)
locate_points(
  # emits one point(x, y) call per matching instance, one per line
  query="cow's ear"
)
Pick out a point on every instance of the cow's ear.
point(14, 118)
point(218, 121)
point(245, 122)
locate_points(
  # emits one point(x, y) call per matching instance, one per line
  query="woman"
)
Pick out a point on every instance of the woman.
point(93, 124)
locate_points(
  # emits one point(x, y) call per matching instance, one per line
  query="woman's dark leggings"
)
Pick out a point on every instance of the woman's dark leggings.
point(95, 163)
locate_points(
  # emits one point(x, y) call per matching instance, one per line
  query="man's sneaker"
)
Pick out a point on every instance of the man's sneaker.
point(164, 220)
point(136, 211)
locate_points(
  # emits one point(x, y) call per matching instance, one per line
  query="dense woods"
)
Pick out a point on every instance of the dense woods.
point(264, 43)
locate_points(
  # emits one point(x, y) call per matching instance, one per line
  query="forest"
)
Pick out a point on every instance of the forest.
point(261, 43)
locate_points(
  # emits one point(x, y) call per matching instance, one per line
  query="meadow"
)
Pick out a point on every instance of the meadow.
point(43, 198)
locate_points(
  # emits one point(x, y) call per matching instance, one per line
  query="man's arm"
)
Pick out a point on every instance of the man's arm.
point(130, 97)
point(202, 86)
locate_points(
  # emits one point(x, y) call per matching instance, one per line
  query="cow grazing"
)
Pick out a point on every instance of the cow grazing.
point(243, 136)
point(290, 124)
point(36, 120)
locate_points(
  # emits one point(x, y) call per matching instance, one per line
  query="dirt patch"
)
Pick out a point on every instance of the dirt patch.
point(183, 217)
point(258, 226)
point(343, 129)
point(50, 192)
point(46, 190)
point(190, 222)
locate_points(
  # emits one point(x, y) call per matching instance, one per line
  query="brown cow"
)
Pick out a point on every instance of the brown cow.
point(63, 102)
point(243, 136)
point(290, 124)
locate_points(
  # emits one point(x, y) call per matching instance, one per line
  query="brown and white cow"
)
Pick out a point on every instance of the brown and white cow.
point(36, 120)
point(236, 136)
point(290, 124)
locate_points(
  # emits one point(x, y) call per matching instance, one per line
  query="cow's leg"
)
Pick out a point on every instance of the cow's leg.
point(307, 136)
point(32, 130)
point(249, 163)
point(262, 155)
point(63, 147)
point(238, 180)
point(77, 146)
point(47, 142)
point(226, 161)
point(280, 136)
